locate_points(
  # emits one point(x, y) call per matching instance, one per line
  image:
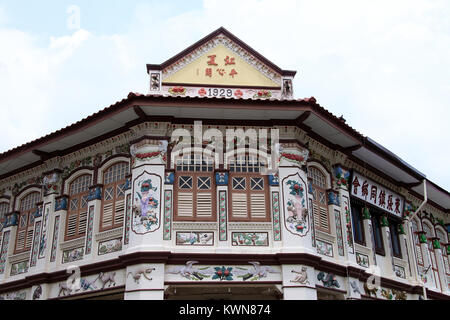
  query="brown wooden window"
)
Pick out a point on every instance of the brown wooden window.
point(25, 228)
point(77, 208)
point(319, 203)
point(377, 232)
point(4, 209)
point(249, 191)
point(195, 192)
point(395, 239)
point(113, 199)
point(357, 222)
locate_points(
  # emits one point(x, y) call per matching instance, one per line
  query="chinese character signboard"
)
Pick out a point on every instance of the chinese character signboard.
point(377, 195)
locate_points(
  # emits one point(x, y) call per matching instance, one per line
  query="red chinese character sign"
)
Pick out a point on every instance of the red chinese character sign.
point(377, 195)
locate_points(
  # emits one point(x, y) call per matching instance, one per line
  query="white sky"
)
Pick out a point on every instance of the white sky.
point(384, 65)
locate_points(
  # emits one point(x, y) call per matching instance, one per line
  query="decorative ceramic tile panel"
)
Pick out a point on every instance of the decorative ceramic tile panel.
point(44, 237)
point(73, 255)
point(276, 216)
point(195, 238)
point(348, 219)
point(37, 235)
point(222, 215)
point(55, 239)
point(19, 268)
point(253, 239)
point(4, 251)
point(90, 230)
point(109, 246)
point(167, 225)
point(362, 260)
point(340, 240)
point(324, 248)
point(126, 238)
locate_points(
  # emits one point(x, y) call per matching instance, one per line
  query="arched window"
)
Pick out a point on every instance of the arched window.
point(4, 209)
point(113, 199)
point(194, 195)
point(249, 191)
point(443, 240)
point(78, 207)
point(27, 207)
point(319, 199)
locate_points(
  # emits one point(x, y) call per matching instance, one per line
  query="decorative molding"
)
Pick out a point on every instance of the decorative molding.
point(181, 226)
point(55, 239)
point(35, 247)
point(276, 216)
point(339, 237)
point(72, 244)
point(19, 257)
point(223, 216)
point(90, 229)
point(110, 234)
point(250, 226)
point(167, 224)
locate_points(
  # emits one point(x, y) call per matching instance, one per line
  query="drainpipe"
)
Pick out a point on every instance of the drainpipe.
point(425, 199)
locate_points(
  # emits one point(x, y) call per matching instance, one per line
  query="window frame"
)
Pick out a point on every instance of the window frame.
point(315, 166)
point(79, 197)
point(356, 210)
point(28, 213)
point(393, 229)
point(115, 184)
point(236, 162)
point(375, 217)
point(194, 170)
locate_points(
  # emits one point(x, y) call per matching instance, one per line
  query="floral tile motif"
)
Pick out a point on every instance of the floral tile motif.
point(340, 240)
point(109, 246)
point(224, 273)
point(324, 248)
point(44, 237)
point(276, 216)
point(222, 215)
point(4, 251)
point(296, 212)
point(37, 235)
point(348, 225)
point(90, 230)
point(167, 225)
point(19, 268)
point(254, 239)
point(73, 255)
point(146, 204)
point(362, 260)
point(126, 237)
point(55, 239)
point(399, 271)
point(195, 239)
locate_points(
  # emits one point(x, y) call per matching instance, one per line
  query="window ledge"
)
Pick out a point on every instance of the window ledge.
point(325, 236)
point(72, 244)
point(250, 226)
point(361, 249)
point(109, 234)
point(19, 257)
point(197, 226)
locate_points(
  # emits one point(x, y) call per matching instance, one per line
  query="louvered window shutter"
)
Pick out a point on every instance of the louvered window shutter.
point(82, 223)
point(71, 225)
point(21, 235)
point(107, 217)
point(239, 205)
point(119, 212)
point(29, 241)
point(185, 204)
point(258, 205)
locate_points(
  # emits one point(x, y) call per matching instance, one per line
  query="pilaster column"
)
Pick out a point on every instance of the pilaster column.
point(407, 249)
point(93, 220)
point(147, 195)
point(387, 243)
point(224, 237)
point(59, 224)
point(298, 282)
point(7, 242)
point(296, 219)
point(368, 233)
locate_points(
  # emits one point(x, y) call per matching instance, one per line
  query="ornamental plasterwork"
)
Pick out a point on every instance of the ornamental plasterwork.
point(179, 226)
point(229, 44)
point(250, 226)
point(161, 129)
point(108, 235)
